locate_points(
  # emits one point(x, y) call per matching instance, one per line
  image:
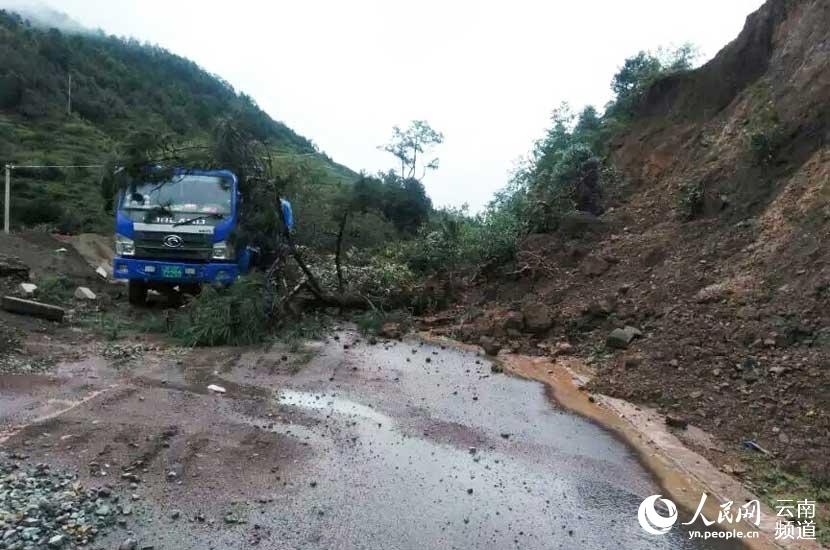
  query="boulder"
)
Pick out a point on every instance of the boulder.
point(11, 266)
point(579, 224)
point(594, 266)
point(512, 320)
point(563, 348)
point(490, 345)
point(676, 422)
point(83, 293)
point(29, 307)
point(712, 293)
point(28, 289)
point(537, 318)
point(620, 338)
point(391, 330)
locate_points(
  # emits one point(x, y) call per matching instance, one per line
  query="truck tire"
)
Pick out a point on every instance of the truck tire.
point(138, 292)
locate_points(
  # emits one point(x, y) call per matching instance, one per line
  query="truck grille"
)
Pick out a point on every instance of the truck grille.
point(195, 246)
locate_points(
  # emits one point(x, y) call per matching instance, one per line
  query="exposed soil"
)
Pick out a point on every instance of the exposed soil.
point(732, 299)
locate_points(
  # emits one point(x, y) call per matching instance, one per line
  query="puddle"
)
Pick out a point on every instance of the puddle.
point(331, 404)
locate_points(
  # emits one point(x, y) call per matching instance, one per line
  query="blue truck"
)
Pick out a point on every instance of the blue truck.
point(175, 234)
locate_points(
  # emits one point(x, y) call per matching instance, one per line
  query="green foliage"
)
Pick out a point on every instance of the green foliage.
point(55, 289)
point(232, 316)
point(639, 72)
point(691, 200)
point(120, 89)
point(406, 145)
point(37, 211)
point(763, 146)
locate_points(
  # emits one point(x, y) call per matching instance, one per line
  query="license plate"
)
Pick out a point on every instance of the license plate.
point(172, 272)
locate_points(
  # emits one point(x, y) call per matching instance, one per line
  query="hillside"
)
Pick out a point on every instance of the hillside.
point(714, 247)
point(118, 87)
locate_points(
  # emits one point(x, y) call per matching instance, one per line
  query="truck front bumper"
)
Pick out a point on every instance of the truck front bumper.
point(174, 272)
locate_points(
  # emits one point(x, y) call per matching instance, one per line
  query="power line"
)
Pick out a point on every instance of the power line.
point(13, 166)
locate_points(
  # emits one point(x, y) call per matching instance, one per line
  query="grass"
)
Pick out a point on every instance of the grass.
point(772, 484)
point(55, 289)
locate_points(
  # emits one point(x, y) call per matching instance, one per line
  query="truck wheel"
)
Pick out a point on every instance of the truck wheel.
point(138, 292)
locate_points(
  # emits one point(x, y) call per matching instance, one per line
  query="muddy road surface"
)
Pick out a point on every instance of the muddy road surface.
point(340, 444)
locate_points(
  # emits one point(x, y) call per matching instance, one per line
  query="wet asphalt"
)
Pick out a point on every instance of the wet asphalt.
point(343, 445)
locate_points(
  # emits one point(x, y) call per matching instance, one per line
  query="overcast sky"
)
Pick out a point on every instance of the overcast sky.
point(487, 74)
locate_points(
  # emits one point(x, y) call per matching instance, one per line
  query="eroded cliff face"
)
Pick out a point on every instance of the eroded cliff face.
point(717, 252)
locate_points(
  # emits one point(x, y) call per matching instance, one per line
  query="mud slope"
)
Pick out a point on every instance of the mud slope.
point(717, 251)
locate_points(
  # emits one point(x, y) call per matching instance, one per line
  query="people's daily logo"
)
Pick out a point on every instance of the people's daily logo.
point(653, 521)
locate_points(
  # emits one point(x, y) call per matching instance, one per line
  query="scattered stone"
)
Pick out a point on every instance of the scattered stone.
point(28, 289)
point(57, 541)
point(490, 345)
point(83, 293)
point(563, 348)
point(128, 544)
point(391, 331)
point(594, 266)
point(537, 318)
point(102, 272)
point(216, 389)
point(712, 293)
point(11, 266)
point(676, 422)
point(620, 338)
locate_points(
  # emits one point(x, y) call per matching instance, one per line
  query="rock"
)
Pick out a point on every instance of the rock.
point(30, 307)
point(511, 320)
point(83, 293)
point(28, 289)
point(175, 514)
point(11, 266)
point(537, 318)
point(712, 293)
point(620, 338)
point(216, 389)
point(578, 224)
point(128, 544)
point(676, 422)
point(104, 510)
point(594, 266)
point(102, 272)
point(57, 541)
point(391, 330)
point(563, 348)
point(490, 345)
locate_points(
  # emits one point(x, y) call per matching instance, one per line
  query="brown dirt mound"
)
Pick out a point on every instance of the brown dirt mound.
point(734, 303)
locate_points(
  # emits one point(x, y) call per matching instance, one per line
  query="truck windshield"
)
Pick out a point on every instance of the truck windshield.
point(188, 193)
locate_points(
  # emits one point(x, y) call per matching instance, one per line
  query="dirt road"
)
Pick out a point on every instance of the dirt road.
point(338, 445)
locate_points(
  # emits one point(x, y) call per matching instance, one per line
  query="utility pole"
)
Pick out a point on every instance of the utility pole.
point(69, 95)
point(6, 205)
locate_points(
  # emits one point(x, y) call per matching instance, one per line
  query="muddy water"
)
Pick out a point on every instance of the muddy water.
point(445, 454)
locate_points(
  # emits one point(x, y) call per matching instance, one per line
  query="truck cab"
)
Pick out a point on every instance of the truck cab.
point(174, 232)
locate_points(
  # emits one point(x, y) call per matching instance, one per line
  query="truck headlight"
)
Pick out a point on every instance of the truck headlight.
point(124, 246)
point(222, 251)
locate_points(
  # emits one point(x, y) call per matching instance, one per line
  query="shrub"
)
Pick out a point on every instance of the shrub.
point(55, 289)
point(692, 197)
point(37, 211)
point(763, 145)
point(233, 316)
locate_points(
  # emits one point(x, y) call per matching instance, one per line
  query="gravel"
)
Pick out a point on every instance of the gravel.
point(40, 508)
point(15, 364)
